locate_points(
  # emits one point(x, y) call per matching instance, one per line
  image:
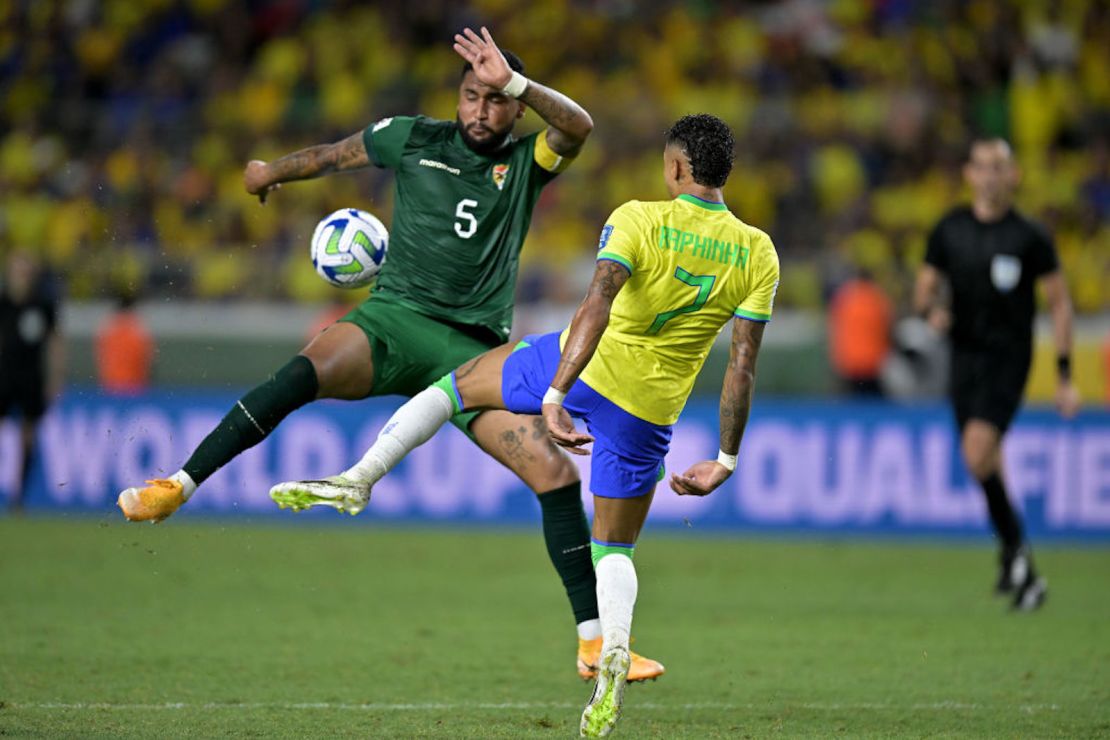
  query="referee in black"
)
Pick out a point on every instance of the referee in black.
point(990, 256)
point(31, 354)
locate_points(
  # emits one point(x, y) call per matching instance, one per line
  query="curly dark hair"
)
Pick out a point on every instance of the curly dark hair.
point(514, 63)
point(707, 141)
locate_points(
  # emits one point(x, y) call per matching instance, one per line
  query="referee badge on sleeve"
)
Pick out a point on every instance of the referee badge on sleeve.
point(1005, 272)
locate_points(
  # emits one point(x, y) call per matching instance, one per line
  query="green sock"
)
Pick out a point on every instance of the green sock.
point(253, 418)
point(567, 534)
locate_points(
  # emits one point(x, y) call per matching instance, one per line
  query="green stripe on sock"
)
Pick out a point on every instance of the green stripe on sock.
point(448, 387)
point(598, 551)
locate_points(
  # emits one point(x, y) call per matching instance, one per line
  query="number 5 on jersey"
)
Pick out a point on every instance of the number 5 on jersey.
point(466, 224)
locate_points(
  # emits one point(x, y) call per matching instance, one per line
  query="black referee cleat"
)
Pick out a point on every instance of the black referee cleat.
point(1014, 565)
point(1019, 577)
point(1031, 594)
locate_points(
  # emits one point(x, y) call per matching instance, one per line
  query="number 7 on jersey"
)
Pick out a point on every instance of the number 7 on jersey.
point(704, 284)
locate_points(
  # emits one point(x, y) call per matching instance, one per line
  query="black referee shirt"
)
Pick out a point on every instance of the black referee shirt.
point(24, 329)
point(992, 268)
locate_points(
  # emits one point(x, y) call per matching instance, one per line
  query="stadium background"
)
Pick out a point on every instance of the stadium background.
point(124, 128)
point(127, 126)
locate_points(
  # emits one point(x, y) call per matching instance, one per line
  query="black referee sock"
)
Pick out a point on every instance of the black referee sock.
point(567, 534)
point(253, 418)
point(1003, 516)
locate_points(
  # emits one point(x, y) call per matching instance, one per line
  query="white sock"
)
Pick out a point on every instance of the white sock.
point(589, 630)
point(410, 426)
point(188, 487)
point(616, 596)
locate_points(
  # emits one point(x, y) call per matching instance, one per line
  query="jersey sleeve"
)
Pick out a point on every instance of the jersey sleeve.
point(546, 158)
point(760, 302)
point(936, 252)
point(385, 140)
point(1042, 257)
point(622, 237)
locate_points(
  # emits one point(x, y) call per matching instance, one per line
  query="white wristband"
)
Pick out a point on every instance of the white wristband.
point(554, 395)
point(518, 83)
point(729, 461)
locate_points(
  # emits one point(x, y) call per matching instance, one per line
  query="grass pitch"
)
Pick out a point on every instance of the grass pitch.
point(262, 629)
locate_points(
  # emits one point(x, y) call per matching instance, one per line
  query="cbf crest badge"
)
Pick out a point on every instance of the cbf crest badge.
point(500, 172)
point(1005, 272)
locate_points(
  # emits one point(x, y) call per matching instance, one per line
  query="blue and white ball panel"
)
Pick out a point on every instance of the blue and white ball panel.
point(349, 247)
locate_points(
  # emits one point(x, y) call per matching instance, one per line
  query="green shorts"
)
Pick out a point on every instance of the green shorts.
point(411, 351)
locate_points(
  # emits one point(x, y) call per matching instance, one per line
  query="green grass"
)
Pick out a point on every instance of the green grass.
point(222, 629)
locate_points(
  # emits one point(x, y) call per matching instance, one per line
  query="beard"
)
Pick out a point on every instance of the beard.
point(486, 146)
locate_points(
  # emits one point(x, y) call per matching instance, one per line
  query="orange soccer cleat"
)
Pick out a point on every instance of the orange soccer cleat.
point(158, 500)
point(589, 654)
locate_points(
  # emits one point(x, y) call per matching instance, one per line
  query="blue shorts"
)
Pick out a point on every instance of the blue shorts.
point(628, 452)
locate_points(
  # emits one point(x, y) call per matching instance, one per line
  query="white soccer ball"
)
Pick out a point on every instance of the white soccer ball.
point(348, 248)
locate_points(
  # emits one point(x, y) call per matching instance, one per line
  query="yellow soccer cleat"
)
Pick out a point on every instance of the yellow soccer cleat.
point(604, 708)
point(641, 669)
point(158, 500)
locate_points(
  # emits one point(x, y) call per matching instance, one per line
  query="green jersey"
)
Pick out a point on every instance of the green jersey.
point(459, 218)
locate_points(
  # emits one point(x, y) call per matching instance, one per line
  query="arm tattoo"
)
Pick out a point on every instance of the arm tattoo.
point(736, 391)
point(609, 277)
point(351, 153)
point(590, 321)
point(570, 123)
point(314, 161)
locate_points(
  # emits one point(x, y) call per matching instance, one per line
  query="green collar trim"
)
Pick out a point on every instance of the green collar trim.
point(706, 204)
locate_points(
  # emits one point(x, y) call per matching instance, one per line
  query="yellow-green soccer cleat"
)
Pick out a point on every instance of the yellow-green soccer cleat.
point(604, 709)
point(335, 491)
point(589, 653)
point(160, 498)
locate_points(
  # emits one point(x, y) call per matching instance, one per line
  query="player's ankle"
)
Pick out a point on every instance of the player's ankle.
point(589, 629)
point(188, 486)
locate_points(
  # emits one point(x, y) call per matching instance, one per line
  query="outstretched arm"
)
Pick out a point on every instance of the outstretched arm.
point(586, 328)
point(736, 401)
point(569, 122)
point(1059, 305)
point(262, 177)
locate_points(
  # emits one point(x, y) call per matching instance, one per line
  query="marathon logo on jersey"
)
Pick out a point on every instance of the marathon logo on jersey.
point(605, 234)
point(500, 172)
point(440, 166)
point(1005, 272)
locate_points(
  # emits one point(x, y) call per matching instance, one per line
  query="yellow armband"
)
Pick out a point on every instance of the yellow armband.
point(546, 157)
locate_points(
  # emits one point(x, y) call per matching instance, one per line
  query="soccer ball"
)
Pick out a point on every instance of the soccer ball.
point(348, 248)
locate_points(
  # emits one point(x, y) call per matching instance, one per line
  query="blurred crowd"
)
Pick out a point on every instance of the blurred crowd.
point(125, 126)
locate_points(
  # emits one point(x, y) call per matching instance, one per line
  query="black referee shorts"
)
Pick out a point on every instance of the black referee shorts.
point(26, 392)
point(988, 386)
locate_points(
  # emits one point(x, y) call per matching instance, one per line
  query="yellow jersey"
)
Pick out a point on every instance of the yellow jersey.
point(693, 266)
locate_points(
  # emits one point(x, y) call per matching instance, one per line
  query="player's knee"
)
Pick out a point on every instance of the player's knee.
point(552, 469)
point(980, 460)
point(338, 378)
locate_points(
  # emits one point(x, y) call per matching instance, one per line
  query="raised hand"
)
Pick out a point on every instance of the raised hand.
point(256, 178)
point(701, 479)
point(562, 431)
point(489, 65)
